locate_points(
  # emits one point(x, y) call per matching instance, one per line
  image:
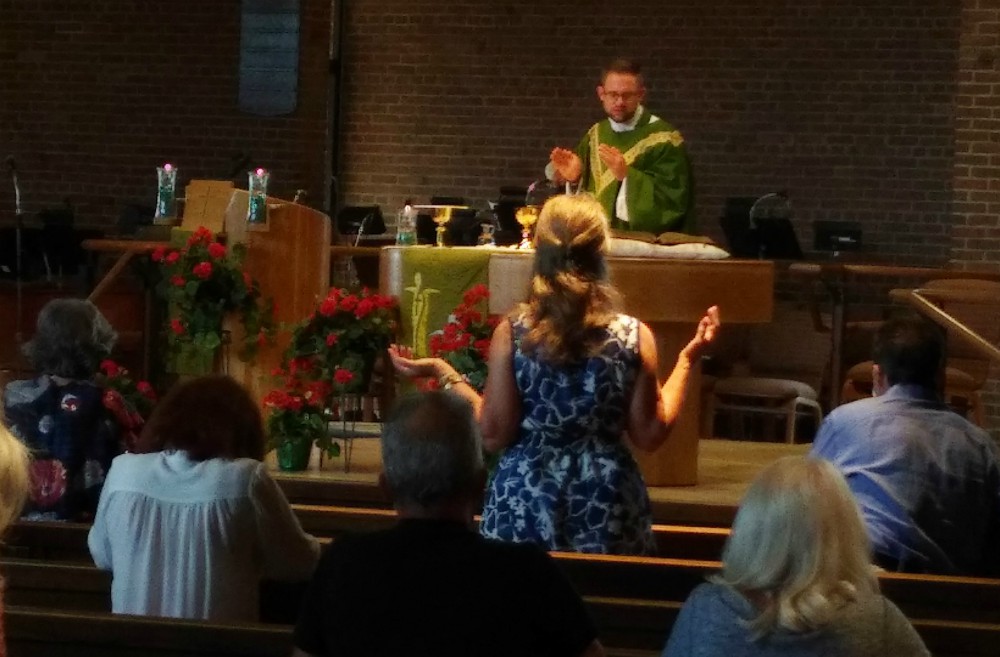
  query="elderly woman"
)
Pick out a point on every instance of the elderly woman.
point(796, 577)
point(189, 528)
point(60, 415)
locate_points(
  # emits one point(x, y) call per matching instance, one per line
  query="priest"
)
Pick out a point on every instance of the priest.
point(633, 162)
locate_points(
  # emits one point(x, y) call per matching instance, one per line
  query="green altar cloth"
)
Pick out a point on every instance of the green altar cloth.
point(434, 280)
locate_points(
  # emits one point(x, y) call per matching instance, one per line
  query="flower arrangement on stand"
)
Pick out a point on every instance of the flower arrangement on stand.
point(464, 342)
point(203, 282)
point(331, 356)
point(130, 401)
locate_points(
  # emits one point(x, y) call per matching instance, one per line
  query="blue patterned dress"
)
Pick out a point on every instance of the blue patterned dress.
point(568, 482)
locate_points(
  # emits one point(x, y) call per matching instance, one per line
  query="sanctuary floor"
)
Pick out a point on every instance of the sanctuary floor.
point(725, 469)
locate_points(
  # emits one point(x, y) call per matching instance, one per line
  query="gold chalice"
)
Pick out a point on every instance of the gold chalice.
point(442, 216)
point(527, 216)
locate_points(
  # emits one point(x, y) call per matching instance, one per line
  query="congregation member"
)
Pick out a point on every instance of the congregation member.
point(927, 480)
point(796, 579)
point(61, 415)
point(569, 377)
point(634, 162)
point(431, 585)
point(191, 527)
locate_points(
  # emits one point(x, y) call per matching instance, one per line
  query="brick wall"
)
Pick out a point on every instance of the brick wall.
point(848, 106)
point(975, 242)
point(95, 94)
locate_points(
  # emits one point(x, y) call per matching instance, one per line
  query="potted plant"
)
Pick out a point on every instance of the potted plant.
point(129, 401)
point(332, 353)
point(203, 282)
point(464, 342)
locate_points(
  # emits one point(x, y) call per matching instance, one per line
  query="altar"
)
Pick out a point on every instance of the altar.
point(670, 295)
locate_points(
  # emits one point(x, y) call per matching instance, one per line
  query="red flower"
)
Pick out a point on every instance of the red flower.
point(146, 390)
point(110, 367)
point(172, 257)
point(343, 376)
point(202, 270)
point(177, 326)
point(365, 307)
point(247, 280)
point(201, 235)
point(331, 339)
point(483, 347)
point(178, 281)
point(328, 307)
point(157, 254)
point(216, 250)
point(348, 303)
point(475, 294)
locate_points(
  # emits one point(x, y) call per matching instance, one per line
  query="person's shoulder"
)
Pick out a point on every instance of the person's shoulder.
point(129, 467)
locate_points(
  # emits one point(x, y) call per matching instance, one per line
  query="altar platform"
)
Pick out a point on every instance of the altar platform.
point(725, 470)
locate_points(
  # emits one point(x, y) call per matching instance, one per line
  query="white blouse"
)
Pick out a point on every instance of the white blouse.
point(191, 539)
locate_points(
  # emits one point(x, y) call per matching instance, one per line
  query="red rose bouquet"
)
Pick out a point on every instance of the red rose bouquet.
point(131, 402)
point(204, 281)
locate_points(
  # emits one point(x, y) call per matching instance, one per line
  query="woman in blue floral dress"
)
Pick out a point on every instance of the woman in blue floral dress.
point(569, 378)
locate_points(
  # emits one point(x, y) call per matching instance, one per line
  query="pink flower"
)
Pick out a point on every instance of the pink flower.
point(216, 250)
point(202, 270)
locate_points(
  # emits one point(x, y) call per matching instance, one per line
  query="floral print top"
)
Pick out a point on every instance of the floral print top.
point(568, 482)
point(72, 437)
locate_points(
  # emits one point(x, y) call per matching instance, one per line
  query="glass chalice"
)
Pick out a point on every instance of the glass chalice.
point(527, 216)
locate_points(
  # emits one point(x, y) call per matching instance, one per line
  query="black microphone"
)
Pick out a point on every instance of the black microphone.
point(12, 169)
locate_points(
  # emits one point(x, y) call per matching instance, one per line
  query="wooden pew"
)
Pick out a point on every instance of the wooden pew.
point(49, 633)
point(629, 625)
point(68, 541)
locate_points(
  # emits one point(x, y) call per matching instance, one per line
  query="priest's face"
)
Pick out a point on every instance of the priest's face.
point(621, 94)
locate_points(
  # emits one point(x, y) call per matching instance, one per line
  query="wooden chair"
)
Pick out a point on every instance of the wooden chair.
point(974, 302)
point(777, 377)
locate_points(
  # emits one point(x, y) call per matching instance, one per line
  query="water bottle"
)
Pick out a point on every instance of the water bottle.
point(406, 227)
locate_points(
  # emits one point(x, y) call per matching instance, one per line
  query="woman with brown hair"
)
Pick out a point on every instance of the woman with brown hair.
point(191, 527)
point(568, 377)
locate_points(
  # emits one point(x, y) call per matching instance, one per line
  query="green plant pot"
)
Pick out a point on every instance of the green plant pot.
point(293, 455)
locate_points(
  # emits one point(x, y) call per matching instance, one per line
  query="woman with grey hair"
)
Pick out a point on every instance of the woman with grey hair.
point(60, 415)
point(796, 577)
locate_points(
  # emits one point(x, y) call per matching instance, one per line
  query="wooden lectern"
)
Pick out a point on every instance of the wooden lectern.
point(291, 260)
point(671, 296)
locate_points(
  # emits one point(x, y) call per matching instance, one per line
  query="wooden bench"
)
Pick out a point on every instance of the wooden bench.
point(67, 541)
point(628, 628)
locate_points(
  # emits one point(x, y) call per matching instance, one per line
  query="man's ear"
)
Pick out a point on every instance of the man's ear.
point(600, 92)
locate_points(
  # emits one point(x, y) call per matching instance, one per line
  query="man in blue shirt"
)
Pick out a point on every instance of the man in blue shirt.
point(927, 480)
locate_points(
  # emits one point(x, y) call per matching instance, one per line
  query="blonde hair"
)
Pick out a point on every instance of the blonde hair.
point(798, 547)
point(14, 477)
point(571, 301)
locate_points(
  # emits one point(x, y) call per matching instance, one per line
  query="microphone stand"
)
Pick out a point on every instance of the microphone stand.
point(18, 257)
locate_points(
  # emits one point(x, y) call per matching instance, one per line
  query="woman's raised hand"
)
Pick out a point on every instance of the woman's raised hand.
point(410, 367)
point(705, 334)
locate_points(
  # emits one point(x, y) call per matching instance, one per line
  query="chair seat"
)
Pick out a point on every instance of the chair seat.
point(755, 386)
point(779, 398)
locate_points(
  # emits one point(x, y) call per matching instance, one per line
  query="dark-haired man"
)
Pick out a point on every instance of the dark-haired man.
point(432, 585)
point(927, 480)
point(633, 162)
